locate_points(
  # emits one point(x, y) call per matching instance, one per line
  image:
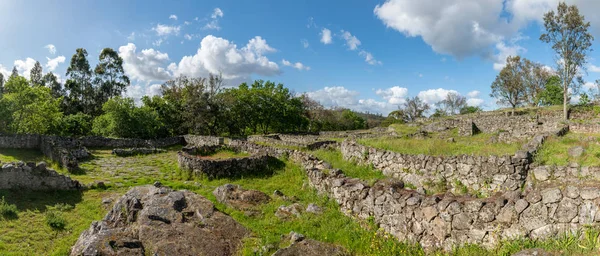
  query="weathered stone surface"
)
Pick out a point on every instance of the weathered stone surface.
point(313, 208)
point(534, 252)
point(541, 173)
point(222, 168)
point(576, 151)
point(34, 177)
point(566, 211)
point(286, 212)
point(589, 193)
point(311, 247)
point(151, 220)
point(551, 195)
point(242, 199)
point(136, 151)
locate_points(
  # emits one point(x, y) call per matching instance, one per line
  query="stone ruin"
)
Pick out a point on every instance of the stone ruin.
point(30, 176)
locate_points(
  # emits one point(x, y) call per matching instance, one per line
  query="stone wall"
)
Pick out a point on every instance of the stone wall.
point(222, 168)
point(24, 141)
point(311, 142)
point(445, 221)
point(103, 142)
point(584, 127)
point(484, 174)
point(34, 177)
point(254, 149)
point(136, 151)
point(197, 140)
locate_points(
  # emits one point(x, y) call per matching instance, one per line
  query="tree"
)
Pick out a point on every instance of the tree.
point(535, 77)
point(80, 93)
point(1, 84)
point(568, 33)
point(438, 113)
point(14, 73)
point(452, 104)
point(553, 92)
point(110, 78)
point(469, 110)
point(414, 108)
point(35, 77)
point(509, 88)
point(584, 99)
point(123, 119)
point(26, 109)
point(51, 81)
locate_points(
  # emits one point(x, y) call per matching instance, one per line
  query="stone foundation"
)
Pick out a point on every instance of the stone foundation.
point(34, 177)
point(222, 168)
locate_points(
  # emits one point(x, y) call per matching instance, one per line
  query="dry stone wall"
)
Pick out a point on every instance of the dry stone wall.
point(584, 127)
point(34, 177)
point(196, 140)
point(222, 168)
point(484, 174)
point(103, 142)
point(445, 221)
point(25, 141)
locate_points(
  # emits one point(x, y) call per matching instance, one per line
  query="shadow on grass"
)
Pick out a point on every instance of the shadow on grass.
point(38, 200)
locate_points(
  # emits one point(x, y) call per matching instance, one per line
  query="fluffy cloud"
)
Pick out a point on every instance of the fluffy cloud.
point(138, 91)
point(503, 52)
point(24, 66)
point(473, 94)
point(51, 48)
point(590, 85)
point(339, 96)
point(526, 10)
point(395, 95)
point(218, 55)
point(188, 36)
point(433, 96)
point(53, 63)
point(475, 102)
point(165, 30)
point(326, 36)
point(173, 17)
point(4, 71)
point(146, 65)
point(593, 68)
point(351, 41)
point(297, 65)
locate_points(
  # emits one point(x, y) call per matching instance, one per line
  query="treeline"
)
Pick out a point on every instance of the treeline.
point(90, 102)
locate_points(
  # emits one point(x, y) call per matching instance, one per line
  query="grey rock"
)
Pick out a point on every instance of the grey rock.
point(566, 211)
point(541, 173)
point(589, 193)
point(286, 212)
point(296, 237)
point(534, 252)
point(521, 205)
point(313, 208)
point(239, 198)
point(309, 247)
point(576, 151)
point(551, 195)
point(572, 192)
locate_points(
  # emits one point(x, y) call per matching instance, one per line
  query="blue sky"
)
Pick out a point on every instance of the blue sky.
point(378, 52)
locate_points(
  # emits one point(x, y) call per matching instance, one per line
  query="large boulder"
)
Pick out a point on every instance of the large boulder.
point(239, 198)
point(150, 220)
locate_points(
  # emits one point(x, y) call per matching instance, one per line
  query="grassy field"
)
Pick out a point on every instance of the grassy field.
point(476, 145)
point(403, 129)
point(27, 233)
point(335, 158)
point(25, 155)
point(555, 150)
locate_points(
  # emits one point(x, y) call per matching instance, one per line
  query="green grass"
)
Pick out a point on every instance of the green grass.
point(25, 155)
point(555, 150)
point(335, 158)
point(223, 154)
point(475, 145)
point(404, 129)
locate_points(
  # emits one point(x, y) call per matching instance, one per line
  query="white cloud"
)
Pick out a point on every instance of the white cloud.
point(147, 65)
point(166, 30)
point(214, 22)
point(304, 43)
point(4, 71)
point(326, 36)
point(433, 96)
point(158, 42)
point(503, 52)
point(297, 65)
point(475, 102)
point(217, 13)
point(173, 17)
point(51, 48)
point(53, 63)
point(395, 95)
point(218, 55)
point(339, 96)
point(594, 68)
point(473, 94)
point(138, 91)
point(24, 66)
point(188, 36)
point(351, 41)
point(369, 57)
point(590, 85)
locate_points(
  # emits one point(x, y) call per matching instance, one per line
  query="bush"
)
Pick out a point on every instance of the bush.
point(55, 220)
point(8, 210)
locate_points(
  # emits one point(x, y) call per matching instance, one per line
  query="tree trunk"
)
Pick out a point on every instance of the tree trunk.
point(513, 110)
point(565, 98)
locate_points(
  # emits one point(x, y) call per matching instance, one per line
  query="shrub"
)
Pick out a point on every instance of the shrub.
point(55, 220)
point(8, 210)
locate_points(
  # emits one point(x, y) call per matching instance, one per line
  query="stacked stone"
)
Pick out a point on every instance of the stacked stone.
point(30, 176)
point(137, 151)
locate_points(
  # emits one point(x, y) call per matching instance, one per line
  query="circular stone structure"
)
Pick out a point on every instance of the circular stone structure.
point(220, 168)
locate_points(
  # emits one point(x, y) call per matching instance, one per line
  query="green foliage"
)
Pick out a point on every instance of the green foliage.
point(8, 210)
point(553, 93)
point(438, 113)
point(55, 220)
point(584, 99)
point(26, 109)
point(123, 119)
point(470, 110)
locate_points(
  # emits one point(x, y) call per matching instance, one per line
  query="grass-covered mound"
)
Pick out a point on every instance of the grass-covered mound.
point(555, 150)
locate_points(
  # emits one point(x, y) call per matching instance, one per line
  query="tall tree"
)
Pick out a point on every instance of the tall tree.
point(111, 80)
point(35, 77)
point(1, 84)
point(51, 81)
point(79, 85)
point(509, 88)
point(14, 73)
point(552, 93)
point(453, 102)
point(568, 33)
point(414, 108)
point(535, 77)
